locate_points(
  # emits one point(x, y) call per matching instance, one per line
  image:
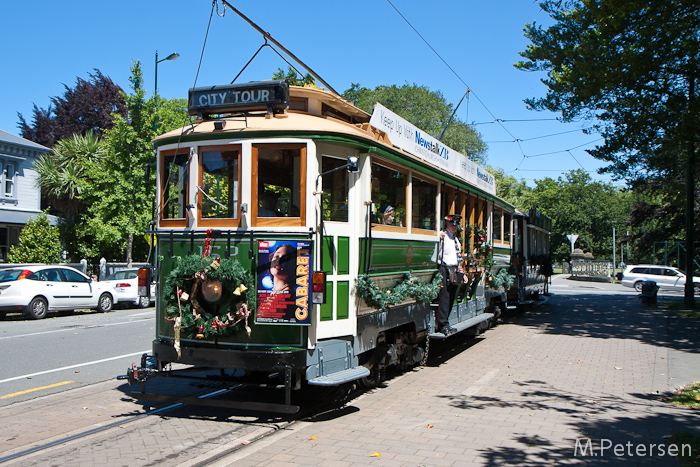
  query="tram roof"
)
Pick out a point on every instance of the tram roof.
point(350, 127)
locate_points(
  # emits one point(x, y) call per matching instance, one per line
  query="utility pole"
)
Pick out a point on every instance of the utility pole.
point(689, 298)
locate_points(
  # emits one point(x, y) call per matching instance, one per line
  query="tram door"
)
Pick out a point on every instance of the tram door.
point(340, 250)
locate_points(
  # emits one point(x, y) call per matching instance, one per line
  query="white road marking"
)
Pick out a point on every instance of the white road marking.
point(74, 366)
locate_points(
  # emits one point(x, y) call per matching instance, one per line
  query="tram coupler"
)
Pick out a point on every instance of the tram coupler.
point(140, 374)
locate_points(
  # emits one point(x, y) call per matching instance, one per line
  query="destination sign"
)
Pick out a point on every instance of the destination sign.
point(272, 96)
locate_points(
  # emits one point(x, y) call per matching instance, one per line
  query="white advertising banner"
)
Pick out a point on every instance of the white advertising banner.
point(413, 140)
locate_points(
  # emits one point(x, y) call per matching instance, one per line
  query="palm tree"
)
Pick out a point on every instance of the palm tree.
point(63, 172)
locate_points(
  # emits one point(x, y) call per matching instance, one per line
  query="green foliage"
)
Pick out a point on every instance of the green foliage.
point(411, 287)
point(577, 205)
point(516, 192)
point(631, 69)
point(63, 174)
point(121, 199)
point(425, 109)
point(500, 280)
point(38, 243)
point(294, 79)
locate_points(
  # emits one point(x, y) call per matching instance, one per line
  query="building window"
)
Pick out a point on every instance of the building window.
point(8, 181)
point(389, 195)
point(279, 174)
point(335, 190)
point(424, 195)
point(174, 188)
point(219, 175)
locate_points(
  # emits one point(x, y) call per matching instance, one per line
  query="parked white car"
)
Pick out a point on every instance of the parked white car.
point(35, 290)
point(126, 283)
point(666, 277)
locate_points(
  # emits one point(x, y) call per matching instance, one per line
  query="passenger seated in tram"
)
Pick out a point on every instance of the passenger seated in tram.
point(268, 205)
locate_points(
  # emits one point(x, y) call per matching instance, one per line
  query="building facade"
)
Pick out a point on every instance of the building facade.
point(20, 195)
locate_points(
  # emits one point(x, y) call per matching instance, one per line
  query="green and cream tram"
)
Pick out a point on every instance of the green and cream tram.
point(297, 238)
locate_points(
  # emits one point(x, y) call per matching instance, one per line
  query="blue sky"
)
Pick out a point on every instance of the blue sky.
point(364, 41)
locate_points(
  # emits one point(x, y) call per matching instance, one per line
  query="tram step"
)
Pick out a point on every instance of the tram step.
point(459, 327)
point(340, 377)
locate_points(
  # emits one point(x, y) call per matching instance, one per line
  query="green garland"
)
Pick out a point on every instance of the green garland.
point(200, 318)
point(482, 254)
point(410, 287)
point(502, 279)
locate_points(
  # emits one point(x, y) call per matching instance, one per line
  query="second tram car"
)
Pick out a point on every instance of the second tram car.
point(297, 240)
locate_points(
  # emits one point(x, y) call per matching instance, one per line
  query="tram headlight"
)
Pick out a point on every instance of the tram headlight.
point(211, 290)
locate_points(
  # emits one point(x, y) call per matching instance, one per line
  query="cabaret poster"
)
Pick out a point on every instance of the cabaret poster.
point(284, 282)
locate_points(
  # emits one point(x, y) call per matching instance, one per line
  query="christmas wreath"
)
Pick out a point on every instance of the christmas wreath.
point(410, 287)
point(206, 297)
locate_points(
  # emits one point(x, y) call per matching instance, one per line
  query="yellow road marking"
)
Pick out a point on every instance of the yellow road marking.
point(35, 389)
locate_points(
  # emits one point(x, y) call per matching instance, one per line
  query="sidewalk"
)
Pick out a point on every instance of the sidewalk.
point(566, 383)
point(581, 367)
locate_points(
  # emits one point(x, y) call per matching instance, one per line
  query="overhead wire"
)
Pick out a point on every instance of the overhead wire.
point(495, 119)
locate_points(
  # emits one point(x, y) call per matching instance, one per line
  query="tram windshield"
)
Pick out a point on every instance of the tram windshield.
point(219, 183)
point(175, 187)
point(280, 181)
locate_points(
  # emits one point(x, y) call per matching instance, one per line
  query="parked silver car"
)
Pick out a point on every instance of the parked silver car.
point(666, 277)
point(126, 283)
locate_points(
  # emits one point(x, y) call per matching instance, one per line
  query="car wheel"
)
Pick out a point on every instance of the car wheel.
point(638, 286)
point(37, 308)
point(105, 303)
point(144, 302)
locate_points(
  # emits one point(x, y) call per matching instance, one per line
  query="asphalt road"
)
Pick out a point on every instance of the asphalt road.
point(67, 351)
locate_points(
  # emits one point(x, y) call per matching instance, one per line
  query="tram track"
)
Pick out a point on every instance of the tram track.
point(100, 429)
point(227, 433)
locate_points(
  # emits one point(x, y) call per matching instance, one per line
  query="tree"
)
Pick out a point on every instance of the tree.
point(121, 199)
point(577, 205)
point(38, 243)
point(627, 66)
point(516, 192)
point(89, 106)
point(425, 109)
point(63, 172)
point(631, 67)
point(293, 78)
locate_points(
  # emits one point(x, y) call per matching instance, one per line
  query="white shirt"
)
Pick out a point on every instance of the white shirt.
point(451, 250)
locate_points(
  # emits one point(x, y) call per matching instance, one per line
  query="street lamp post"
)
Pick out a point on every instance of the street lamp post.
point(172, 56)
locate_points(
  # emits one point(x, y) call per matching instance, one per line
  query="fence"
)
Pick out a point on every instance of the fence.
point(104, 269)
point(591, 268)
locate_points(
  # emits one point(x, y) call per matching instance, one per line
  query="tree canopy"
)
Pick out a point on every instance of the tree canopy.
point(577, 205)
point(425, 109)
point(89, 106)
point(628, 67)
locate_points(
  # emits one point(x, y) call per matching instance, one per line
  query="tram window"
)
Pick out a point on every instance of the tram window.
point(280, 180)
point(388, 195)
point(497, 237)
point(335, 190)
point(219, 182)
point(174, 186)
point(506, 227)
point(424, 195)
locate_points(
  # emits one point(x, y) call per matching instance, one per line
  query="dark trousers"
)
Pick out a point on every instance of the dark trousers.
point(446, 299)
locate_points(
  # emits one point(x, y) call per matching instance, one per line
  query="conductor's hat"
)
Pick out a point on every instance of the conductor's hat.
point(453, 219)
